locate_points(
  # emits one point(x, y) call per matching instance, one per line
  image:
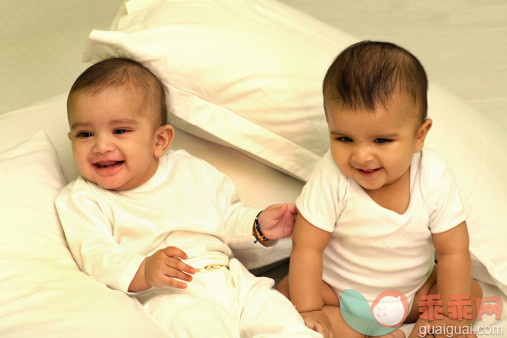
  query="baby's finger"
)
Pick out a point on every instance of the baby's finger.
point(421, 329)
point(292, 208)
point(176, 264)
point(310, 323)
point(283, 208)
point(321, 329)
point(168, 281)
point(172, 251)
point(173, 273)
point(276, 211)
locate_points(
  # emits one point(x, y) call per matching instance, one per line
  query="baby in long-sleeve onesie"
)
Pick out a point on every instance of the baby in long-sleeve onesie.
point(160, 224)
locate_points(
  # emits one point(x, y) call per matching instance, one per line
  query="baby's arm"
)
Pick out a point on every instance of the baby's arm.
point(454, 265)
point(89, 235)
point(275, 222)
point(161, 269)
point(305, 274)
point(453, 275)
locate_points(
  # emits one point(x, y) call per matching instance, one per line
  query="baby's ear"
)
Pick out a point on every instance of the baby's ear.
point(163, 139)
point(420, 137)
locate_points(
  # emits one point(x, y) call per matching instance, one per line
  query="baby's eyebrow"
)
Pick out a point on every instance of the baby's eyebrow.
point(124, 121)
point(79, 124)
point(393, 135)
point(390, 135)
point(113, 122)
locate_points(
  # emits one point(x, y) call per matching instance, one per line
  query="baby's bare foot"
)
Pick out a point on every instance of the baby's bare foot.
point(395, 334)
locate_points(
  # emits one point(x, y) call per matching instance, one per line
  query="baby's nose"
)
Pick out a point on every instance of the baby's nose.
point(102, 144)
point(362, 154)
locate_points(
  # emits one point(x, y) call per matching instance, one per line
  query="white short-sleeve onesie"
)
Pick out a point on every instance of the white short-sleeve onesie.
point(373, 249)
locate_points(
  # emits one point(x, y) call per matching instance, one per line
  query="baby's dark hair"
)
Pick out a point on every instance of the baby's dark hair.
point(119, 72)
point(367, 74)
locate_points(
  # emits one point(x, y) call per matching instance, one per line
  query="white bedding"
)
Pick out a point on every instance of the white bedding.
point(461, 45)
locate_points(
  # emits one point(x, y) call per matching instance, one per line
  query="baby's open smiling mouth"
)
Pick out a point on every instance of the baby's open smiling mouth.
point(108, 164)
point(368, 172)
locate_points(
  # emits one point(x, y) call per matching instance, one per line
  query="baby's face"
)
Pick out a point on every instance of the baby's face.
point(375, 148)
point(113, 137)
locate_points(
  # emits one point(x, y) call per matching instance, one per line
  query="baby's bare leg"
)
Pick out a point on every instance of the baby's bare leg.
point(329, 297)
point(331, 307)
point(342, 329)
point(430, 288)
point(283, 287)
point(423, 291)
point(339, 326)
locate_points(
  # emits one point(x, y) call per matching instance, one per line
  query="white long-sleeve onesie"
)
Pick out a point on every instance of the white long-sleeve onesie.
point(187, 204)
point(190, 205)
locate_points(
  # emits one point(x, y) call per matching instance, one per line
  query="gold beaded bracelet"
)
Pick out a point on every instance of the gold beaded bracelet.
point(256, 231)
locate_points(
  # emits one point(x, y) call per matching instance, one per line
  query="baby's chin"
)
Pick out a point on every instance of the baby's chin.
point(369, 185)
point(104, 184)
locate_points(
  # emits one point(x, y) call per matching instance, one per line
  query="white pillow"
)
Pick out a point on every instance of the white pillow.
point(249, 74)
point(42, 291)
point(475, 148)
point(258, 185)
point(236, 72)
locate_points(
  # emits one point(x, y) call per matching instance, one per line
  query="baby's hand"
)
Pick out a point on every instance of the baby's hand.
point(424, 328)
point(420, 329)
point(164, 265)
point(318, 321)
point(277, 220)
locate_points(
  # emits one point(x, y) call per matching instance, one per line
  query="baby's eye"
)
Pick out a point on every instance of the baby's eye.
point(84, 134)
point(382, 140)
point(120, 131)
point(344, 139)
